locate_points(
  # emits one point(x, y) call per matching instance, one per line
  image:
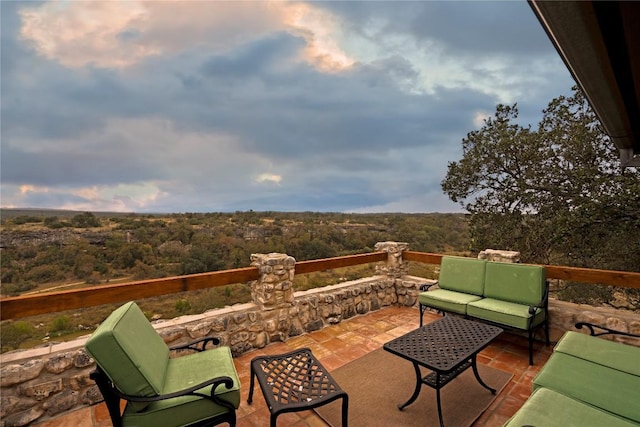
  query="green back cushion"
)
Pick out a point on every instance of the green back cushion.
point(130, 352)
point(625, 358)
point(462, 275)
point(519, 283)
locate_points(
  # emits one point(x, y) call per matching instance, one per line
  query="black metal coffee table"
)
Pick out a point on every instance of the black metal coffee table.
point(447, 347)
point(295, 381)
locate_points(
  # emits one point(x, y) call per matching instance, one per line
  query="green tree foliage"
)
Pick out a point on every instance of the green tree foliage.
point(136, 247)
point(26, 219)
point(205, 255)
point(53, 222)
point(311, 249)
point(133, 252)
point(556, 194)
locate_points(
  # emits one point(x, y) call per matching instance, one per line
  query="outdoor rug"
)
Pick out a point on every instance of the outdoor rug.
point(377, 382)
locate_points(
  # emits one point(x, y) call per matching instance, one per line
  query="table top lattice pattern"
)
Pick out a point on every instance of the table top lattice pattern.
point(445, 343)
point(294, 378)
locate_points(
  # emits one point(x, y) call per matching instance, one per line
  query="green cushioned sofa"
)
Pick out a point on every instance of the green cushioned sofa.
point(514, 296)
point(133, 362)
point(587, 381)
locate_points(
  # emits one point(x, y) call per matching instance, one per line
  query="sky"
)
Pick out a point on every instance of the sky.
point(215, 106)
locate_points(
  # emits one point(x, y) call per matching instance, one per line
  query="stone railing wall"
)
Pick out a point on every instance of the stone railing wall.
point(40, 383)
point(499, 255)
point(564, 315)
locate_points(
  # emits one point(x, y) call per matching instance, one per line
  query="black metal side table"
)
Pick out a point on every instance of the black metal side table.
point(295, 381)
point(447, 347)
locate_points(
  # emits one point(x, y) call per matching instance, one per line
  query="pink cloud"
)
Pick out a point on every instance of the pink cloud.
point(119, 34)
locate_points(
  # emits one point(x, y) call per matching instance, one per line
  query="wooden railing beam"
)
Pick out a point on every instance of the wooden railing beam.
point(34, 304)
point(624, 279)
point(49, 302)
point(424, 257)
point(303, 267)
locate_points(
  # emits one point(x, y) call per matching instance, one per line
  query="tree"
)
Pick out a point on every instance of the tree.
point(85, 220)
point(556, 194)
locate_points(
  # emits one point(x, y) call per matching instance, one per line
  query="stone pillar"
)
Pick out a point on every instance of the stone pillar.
point(500, 255)
point(274, 288)
point(394, 266)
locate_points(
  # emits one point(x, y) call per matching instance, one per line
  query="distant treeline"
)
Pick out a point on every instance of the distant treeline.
point(40, 247)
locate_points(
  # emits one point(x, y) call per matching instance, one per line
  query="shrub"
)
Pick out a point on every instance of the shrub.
point(182, 306)
point(580, 294)
point(13, 289)
point(61, 324)
point(85, 220)
point(26, 219)
point(12, 334)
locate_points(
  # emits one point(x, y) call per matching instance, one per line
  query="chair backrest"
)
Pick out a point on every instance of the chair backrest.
point(520, 283)
point(462, 274)
point(129, 350)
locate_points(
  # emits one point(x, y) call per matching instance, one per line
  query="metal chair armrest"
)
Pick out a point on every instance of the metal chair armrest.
point(191, 391)
point(197, 345)
point(605, 331)
point(427, 286)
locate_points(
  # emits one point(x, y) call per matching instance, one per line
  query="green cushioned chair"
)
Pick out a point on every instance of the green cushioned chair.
point(587, 381)
point(133, 363)
point(460, 282)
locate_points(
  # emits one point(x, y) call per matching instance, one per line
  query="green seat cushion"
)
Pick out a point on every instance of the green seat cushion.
point(505, 313)
point(462, 275)
point(446, 300)
point(130, 352)
point(519, 283)
point(187, 371)
point(625, 358)
point(597, 385)
point(551, 409)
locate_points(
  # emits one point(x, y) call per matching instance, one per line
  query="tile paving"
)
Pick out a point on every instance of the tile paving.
point(339, 344)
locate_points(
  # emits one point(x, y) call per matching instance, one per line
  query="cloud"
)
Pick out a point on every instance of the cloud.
point(120, 34)
point(203, 106)
point(114, 34)
point(136, 159)
point(269, 177)
point(321, 30)
point(82, 33)
point(480, 117)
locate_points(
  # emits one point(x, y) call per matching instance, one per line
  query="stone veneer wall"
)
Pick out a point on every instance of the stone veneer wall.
point(564, 315)
point(40, 383)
